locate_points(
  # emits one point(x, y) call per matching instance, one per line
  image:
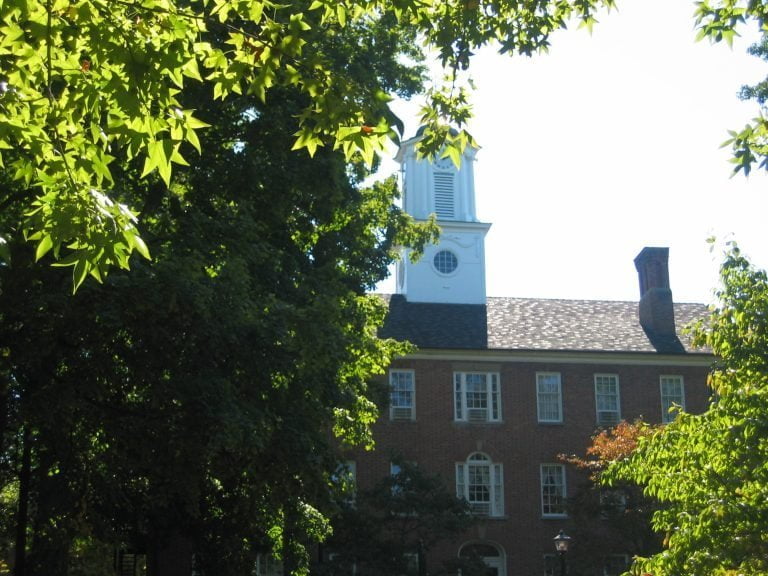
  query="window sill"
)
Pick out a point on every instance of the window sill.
point(479, 422)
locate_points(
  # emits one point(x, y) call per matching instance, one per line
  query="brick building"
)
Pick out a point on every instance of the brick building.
point(499, 387)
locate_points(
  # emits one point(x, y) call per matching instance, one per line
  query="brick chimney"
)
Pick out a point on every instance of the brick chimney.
point(657, 314)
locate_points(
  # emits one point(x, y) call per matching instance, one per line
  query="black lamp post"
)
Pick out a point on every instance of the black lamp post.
point(562, 542)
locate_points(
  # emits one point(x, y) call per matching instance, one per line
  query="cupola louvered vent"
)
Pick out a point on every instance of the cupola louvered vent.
point(444, 197)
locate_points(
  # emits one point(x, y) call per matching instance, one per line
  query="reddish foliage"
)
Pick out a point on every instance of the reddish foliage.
point(609, 445)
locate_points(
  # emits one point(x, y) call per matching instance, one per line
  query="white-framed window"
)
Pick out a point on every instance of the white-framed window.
point(402, 398)
point(445, 262)
point(672, 395)
point(477, 397)
point(268, 565)
point(607, 399)
point(613, 503)
point(553, 490)
point(549, 397)
point(345, 480)
point(615, 564)
point(480, 482)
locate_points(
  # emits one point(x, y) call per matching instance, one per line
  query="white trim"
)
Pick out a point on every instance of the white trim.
point(694, 360)
point(462, 226)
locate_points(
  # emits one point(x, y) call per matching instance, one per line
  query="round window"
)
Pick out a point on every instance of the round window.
point(445, 262)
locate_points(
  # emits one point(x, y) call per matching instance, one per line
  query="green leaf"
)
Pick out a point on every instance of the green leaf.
point(45, 244)
point(341, 14)
point(80, 272)
point(138, 243)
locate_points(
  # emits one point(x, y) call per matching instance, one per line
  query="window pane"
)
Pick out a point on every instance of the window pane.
point(401, 386)
point(498, 490)
point(672, 394)
point(549, 397)
point(477, 391)
point(607, 398)
point(495, 398)
point(477, 396)
point(445, 261)
point(479, 481)
point(458, 397)
point(552, 489)
point(460, 482)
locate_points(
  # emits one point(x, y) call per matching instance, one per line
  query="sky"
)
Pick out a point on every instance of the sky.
point(609, 143)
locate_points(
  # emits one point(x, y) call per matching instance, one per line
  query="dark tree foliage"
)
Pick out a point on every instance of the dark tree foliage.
point(391, 527)
point(186, 409)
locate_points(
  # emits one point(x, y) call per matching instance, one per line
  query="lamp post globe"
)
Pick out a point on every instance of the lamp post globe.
point(562, 543)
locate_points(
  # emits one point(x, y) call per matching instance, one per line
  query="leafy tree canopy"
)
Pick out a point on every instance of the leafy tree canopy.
point(721, 20)
point(88, 85)
point(189, 406)
point(610, 520)
point(610, 445)
point(390, 527)
point(709, 470)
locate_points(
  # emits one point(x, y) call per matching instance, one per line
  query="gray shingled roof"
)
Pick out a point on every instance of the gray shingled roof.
point(532, 324)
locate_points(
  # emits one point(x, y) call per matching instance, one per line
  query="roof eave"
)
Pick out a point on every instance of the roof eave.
point(693, 359)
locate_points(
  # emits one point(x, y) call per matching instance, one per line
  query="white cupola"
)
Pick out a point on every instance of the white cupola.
point(453, 270)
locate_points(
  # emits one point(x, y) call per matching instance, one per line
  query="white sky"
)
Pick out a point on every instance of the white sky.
point(609, 143)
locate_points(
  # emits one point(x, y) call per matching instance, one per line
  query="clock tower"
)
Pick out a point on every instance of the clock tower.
point(453, 270)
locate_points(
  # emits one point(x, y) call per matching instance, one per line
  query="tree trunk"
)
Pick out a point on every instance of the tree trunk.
point(20, 560)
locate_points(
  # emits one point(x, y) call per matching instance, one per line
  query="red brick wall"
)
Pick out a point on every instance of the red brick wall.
point(436, 442)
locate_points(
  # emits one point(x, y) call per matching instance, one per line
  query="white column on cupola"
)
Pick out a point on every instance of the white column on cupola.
point(453, 270)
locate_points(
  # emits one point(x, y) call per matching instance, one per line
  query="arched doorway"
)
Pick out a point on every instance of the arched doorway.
point(490, 554)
